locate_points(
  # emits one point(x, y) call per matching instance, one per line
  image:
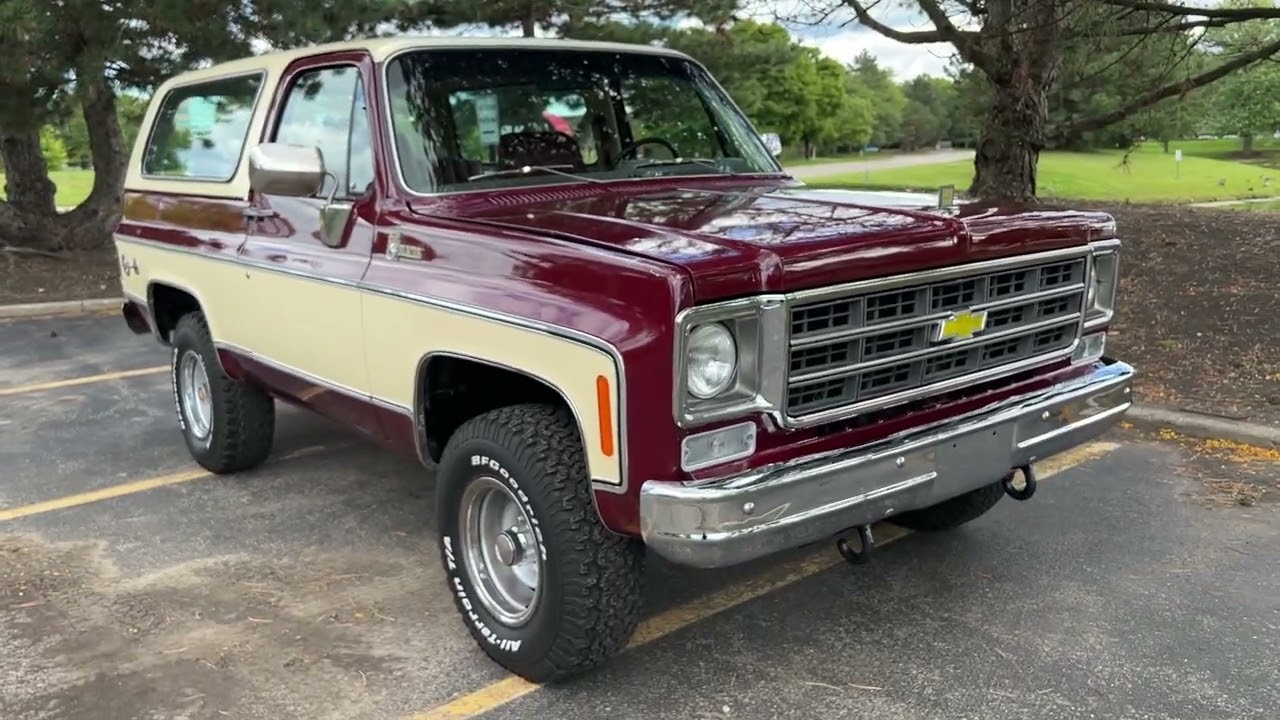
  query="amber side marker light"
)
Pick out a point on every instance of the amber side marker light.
point(604, 404)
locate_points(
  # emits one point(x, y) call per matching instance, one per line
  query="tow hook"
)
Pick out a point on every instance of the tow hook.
point(1028, 484)
point(861, 556)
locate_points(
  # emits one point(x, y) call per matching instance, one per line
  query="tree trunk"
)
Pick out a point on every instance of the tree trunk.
point(30, 218)
point(95, 218)
point(1247, 138)
point(26, 181)
point(1010, 143)
point(529, 23)
point(1165, 144)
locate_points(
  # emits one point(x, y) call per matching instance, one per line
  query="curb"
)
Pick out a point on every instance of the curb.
point(66, 308)
point(1207, 427)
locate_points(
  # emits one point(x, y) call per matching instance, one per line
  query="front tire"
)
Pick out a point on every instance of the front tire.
point(951, 513)
point(228, 425)
point(543, 587)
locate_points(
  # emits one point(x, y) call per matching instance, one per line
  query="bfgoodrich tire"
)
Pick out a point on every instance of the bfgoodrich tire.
point(228, 425)
point(951, 513)
point(542, 586)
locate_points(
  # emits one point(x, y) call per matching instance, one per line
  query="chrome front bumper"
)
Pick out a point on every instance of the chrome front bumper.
point(739, 518)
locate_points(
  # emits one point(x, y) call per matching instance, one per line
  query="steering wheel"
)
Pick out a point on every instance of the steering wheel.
point(631, 147)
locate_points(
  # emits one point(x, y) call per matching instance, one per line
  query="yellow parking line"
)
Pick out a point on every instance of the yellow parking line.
point(72, 382)
point(497, 694)
point(128, 488)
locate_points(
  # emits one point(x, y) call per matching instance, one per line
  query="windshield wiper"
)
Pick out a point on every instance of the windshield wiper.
point(526, 169)
point(685, 161)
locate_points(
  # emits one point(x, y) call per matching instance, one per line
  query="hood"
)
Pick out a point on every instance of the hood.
point(745, 240)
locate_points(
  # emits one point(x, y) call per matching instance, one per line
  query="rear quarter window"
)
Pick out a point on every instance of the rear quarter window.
point(200, 129)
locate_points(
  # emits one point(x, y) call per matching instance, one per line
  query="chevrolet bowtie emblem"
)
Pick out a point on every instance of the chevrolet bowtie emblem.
point(960, 326)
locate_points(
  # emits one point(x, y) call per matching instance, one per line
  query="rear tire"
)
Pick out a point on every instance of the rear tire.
point(544, 588)
point(228, 425)
point(951, 513)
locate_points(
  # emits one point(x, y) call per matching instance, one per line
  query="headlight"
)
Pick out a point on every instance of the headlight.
point(713, 360)
point(730, 360)
point(1100, 295)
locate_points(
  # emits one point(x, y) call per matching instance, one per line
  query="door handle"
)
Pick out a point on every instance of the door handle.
point(257, 213)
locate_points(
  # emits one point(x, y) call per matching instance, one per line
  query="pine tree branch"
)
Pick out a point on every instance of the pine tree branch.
point(1213, 13)
point(913, 37)
point(1175, 88)
point(945, 31)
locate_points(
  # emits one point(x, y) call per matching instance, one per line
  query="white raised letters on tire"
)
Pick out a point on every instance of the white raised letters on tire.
point(502, 643)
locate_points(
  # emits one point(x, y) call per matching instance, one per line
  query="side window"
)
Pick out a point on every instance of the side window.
point(325, 108)
point(200, 130)
point(360, 156)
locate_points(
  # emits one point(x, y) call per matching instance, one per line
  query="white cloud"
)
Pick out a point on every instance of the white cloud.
point(840, 36)
point(906, 61)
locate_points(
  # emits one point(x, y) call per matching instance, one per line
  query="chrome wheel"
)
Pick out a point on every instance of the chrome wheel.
point(502, 558)
point(197, 399)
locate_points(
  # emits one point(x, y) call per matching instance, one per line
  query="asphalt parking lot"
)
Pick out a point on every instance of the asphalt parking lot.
point(1140, 582)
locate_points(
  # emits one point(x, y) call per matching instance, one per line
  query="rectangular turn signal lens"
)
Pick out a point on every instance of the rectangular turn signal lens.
point(604, 405)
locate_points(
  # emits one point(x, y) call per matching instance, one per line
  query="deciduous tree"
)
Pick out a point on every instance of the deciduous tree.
point(1020, 46)
point(81, 53)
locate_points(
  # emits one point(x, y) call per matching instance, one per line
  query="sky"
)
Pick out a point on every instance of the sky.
point(842, 38)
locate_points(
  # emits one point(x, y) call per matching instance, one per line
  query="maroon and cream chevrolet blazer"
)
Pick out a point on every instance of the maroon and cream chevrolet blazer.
point(574, 278)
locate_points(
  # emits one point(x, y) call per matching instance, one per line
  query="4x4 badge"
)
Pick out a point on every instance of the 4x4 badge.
point(397, 250)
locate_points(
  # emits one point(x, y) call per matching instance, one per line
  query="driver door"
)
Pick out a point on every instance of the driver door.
point(307, 254)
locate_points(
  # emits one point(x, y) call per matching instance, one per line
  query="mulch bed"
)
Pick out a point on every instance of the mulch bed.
point(1199, 304)
point(82, 275)
point(1199, 308)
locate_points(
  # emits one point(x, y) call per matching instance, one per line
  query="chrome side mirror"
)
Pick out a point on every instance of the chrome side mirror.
point(334, 215)
point(282, 169)
point(773, 141)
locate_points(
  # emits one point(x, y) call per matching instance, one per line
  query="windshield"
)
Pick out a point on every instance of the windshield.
point(473, 119)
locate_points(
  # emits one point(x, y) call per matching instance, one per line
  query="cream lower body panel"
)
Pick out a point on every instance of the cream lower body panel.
point(294, 321)
point(400, 332)
point(370, 343)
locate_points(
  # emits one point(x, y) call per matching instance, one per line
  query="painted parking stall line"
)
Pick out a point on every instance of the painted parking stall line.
point(511, 688)
point(134, 487)
point(85, 380)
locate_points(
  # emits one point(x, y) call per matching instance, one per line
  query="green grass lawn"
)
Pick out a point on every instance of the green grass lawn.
point(798, 161)
point(1267, 148)
point(1153, 177)
point(73, 186)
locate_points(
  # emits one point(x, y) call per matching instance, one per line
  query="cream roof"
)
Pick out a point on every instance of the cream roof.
point(382, 48)
point(273, 65)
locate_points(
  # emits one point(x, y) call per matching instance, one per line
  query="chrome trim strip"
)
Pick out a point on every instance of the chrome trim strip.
point(419, 414)
point(740, 517)
point(880, 403)
point(846, 370)
point(564, 333)
point(313, 379)
point(757, 393)
point(1102, 247)
point(787, 421)
point(151, 285)
point(1059, 432)
point(691, 467)
point(931, 276)
point(933, 317)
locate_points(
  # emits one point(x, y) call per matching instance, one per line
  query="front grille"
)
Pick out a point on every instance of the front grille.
point(870, 347)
